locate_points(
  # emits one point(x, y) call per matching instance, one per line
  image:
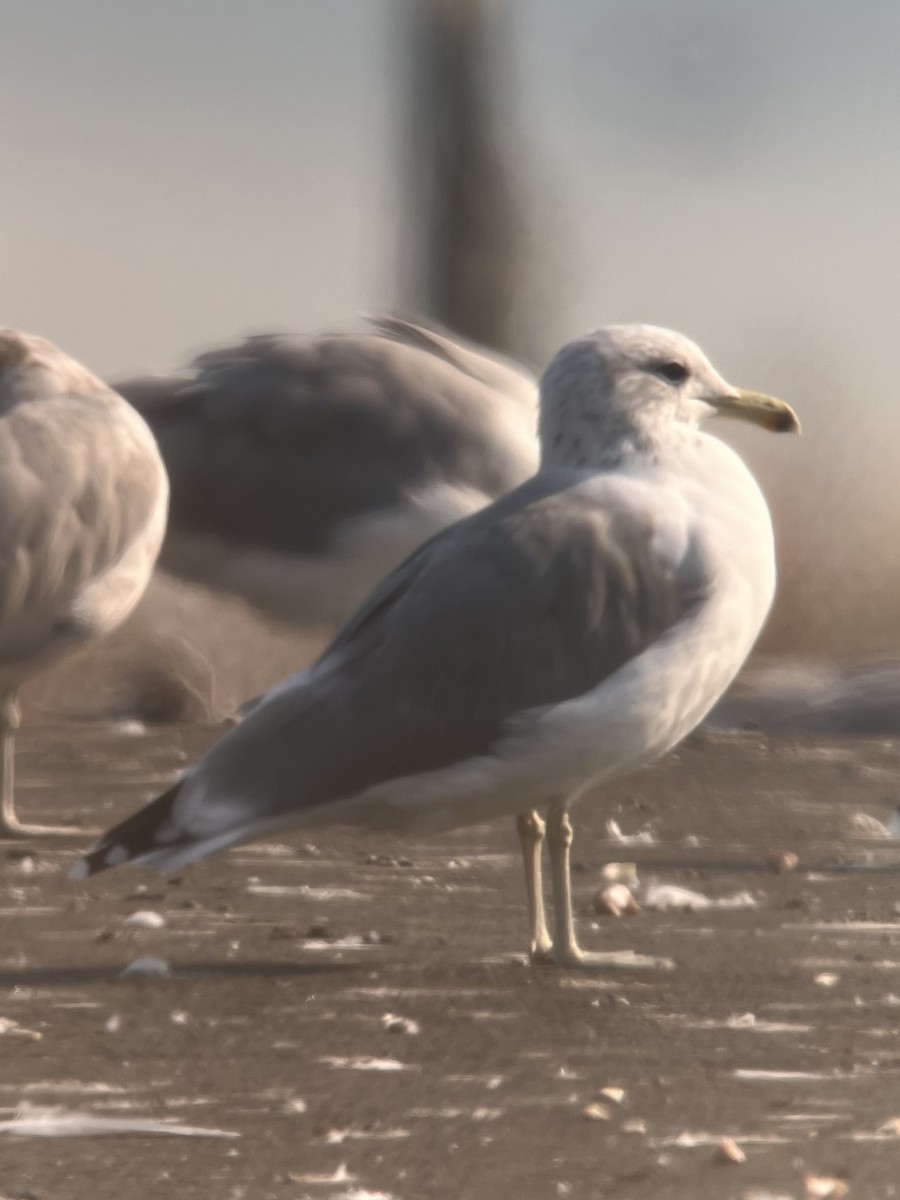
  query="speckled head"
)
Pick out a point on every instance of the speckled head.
point(617, 390)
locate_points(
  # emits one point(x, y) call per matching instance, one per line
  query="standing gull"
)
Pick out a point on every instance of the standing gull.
point(83, 498)
point(574, 630)
point(304, 469)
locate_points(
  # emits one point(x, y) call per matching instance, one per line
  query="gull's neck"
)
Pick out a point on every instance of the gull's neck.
point(588, 441)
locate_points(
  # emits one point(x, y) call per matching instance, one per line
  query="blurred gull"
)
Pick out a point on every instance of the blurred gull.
point(83, 497)
point(304, 469)
point(576, 629)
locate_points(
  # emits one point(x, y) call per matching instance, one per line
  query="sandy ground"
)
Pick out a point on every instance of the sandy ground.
point(777, 1027)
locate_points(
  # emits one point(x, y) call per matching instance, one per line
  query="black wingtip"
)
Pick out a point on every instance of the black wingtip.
point(133, 838)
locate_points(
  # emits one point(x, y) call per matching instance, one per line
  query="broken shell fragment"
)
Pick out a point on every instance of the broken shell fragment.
point(730, 1151)
point(616, 901)
point(620, 872)
point(596, 1111)
point(826, 979)
point(824, 1187)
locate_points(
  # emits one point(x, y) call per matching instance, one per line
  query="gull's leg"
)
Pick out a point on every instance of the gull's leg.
point(10, 825)
point(566, 951)
point(531, 835)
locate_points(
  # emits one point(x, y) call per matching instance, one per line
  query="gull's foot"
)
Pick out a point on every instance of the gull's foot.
point(14, 830)
point(577, 959)
point(541, 953)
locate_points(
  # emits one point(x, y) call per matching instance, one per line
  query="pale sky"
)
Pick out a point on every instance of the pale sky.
point(179, 172)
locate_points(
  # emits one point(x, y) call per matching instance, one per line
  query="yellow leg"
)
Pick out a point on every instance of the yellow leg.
point(531, 835)
point(566, 951)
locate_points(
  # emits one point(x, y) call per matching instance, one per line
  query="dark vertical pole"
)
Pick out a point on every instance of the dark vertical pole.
point(464, 245)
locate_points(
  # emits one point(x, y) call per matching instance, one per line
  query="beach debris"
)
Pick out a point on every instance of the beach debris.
point(619, 872)
point(662, 896)
point(364, 1062)
point(339, 1175)
point(34, 1121)
point(147, 965)
point(644, 837)
point(729, 1151)
point(865, 825)
point(10, 1028)
point(824, 1187)
point(397, 1024)
point(782, 861)
point(826, 979)
point(595, 1111)
point(145, 918)
point(616, 900)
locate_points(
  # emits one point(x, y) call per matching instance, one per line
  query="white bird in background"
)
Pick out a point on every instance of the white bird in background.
point(304, 469)
point(83, 497)
point(572, 631)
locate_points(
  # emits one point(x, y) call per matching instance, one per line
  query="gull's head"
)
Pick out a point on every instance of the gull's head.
point(32, 367)
point(629, 384)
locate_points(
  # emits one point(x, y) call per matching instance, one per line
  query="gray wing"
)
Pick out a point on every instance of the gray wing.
point(277, 441)
point(533, 601)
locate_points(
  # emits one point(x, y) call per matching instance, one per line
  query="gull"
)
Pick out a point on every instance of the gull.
point(83, 496)
point(575, 630)
point(304, 469)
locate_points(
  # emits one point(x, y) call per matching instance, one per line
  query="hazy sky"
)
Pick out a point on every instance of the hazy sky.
point(177, 172)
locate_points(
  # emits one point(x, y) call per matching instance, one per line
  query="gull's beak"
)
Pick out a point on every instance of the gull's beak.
point(758, 409)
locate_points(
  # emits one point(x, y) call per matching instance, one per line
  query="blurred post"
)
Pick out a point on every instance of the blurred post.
point(464, 242)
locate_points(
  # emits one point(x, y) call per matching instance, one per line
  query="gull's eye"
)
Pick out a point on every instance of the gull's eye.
point(675, 372)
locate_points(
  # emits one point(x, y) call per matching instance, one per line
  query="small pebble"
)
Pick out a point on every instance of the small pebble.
point(782, 861)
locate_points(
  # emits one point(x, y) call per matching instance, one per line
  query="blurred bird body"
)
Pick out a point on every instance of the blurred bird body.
point(83, 497)
point(304, 469)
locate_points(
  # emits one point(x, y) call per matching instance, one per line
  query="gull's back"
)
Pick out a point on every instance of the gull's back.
point(303, 469)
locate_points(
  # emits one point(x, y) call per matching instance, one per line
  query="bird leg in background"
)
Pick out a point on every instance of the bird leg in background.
point(10, 825)
point(530, 828)
point(566, 951)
